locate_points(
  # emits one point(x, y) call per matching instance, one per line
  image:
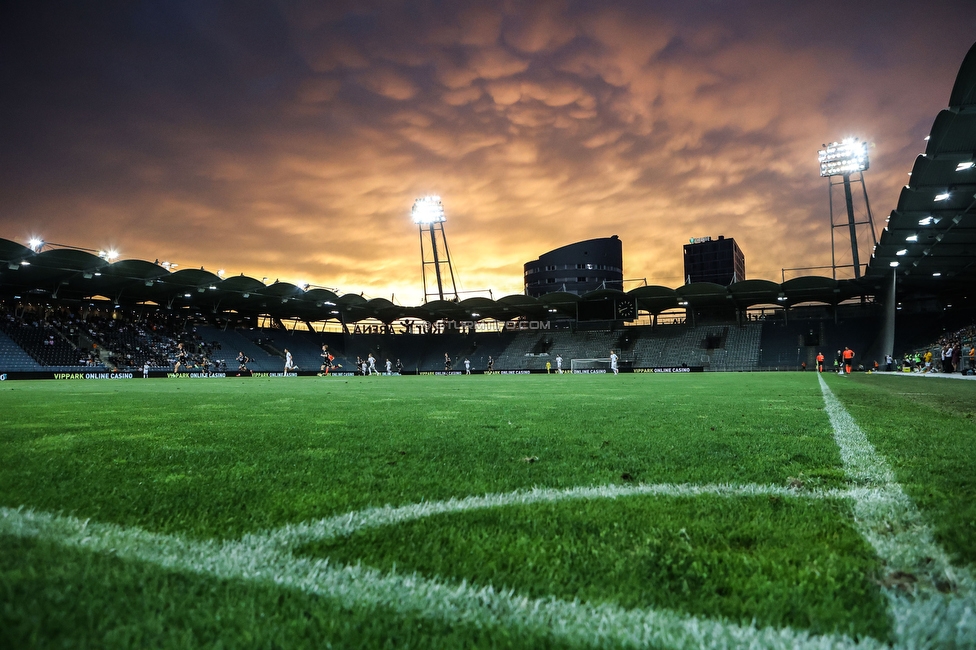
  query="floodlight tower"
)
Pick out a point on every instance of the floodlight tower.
point(428, 214)
point(844, 159)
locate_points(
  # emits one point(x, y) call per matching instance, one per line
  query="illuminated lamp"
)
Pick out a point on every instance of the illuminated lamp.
point(844, 158)
point(428, 209)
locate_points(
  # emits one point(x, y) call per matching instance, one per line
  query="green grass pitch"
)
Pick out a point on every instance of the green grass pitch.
point(484, 511)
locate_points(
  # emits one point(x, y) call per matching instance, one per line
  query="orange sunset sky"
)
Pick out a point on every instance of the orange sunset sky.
point(290, 139)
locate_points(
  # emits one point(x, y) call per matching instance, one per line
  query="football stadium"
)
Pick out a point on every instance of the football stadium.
point(191, 459)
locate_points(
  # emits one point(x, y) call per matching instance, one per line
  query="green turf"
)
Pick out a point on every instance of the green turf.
point(218, 459)
point(234, 456)
point(781, 562)
point(57, 598)
point(926, 428)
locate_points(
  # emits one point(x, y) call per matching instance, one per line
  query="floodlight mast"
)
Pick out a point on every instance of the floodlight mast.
point(428, 214)
point(845, 158)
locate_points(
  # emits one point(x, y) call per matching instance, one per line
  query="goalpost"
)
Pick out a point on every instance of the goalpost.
point(589, 365)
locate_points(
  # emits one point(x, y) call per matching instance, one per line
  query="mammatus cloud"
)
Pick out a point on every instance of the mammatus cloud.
point(538, 124)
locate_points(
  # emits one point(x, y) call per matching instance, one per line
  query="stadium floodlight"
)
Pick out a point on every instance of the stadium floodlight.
point(936, 275)
point(428, 209)
point(893, 264)
point(110, 255)
point(903, 251)
point(963, 166)
point(912, 238)
point(844, 158)
point(35, 244)
point(428, 214)
point(944, 196)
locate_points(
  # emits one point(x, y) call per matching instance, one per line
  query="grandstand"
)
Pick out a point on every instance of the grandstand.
point(93, 340)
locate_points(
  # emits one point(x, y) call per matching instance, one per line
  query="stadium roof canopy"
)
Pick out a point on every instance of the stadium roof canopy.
point(930, 240)
point(70, 274)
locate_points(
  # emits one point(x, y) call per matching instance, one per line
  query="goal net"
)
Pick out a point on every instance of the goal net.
point(589, 365)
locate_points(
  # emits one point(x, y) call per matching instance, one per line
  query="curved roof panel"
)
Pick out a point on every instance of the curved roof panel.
point(747, 293)
point(12, 251)
point(705, 294)
point(963, 93)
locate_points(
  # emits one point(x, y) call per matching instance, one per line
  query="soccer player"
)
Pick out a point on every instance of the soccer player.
point(820, 362)
point(613, 362)
point(559, 364)
point(145, 370)
point(389, 368)
point(399, 367)
point(181, 358)
point(242, 360)
point(447, 362)
point(848, 359)
point(467, 366)
point(289, 362)
point(491, 364)
point(326, 361)
point(371, 363)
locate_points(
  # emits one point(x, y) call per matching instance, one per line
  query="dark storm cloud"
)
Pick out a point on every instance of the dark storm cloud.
point(290, 139)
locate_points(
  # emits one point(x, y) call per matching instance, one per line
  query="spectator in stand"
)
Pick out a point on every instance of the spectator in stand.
point(956, 355)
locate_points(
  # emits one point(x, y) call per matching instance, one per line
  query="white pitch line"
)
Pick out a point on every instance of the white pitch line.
point(888, 519)
point(291, 536)
point(267, 559)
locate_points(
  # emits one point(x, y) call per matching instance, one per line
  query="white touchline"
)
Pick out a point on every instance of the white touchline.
point(267, 558)
point(939, 610)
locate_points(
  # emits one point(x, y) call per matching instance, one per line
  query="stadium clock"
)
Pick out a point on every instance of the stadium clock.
point(626, 310)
